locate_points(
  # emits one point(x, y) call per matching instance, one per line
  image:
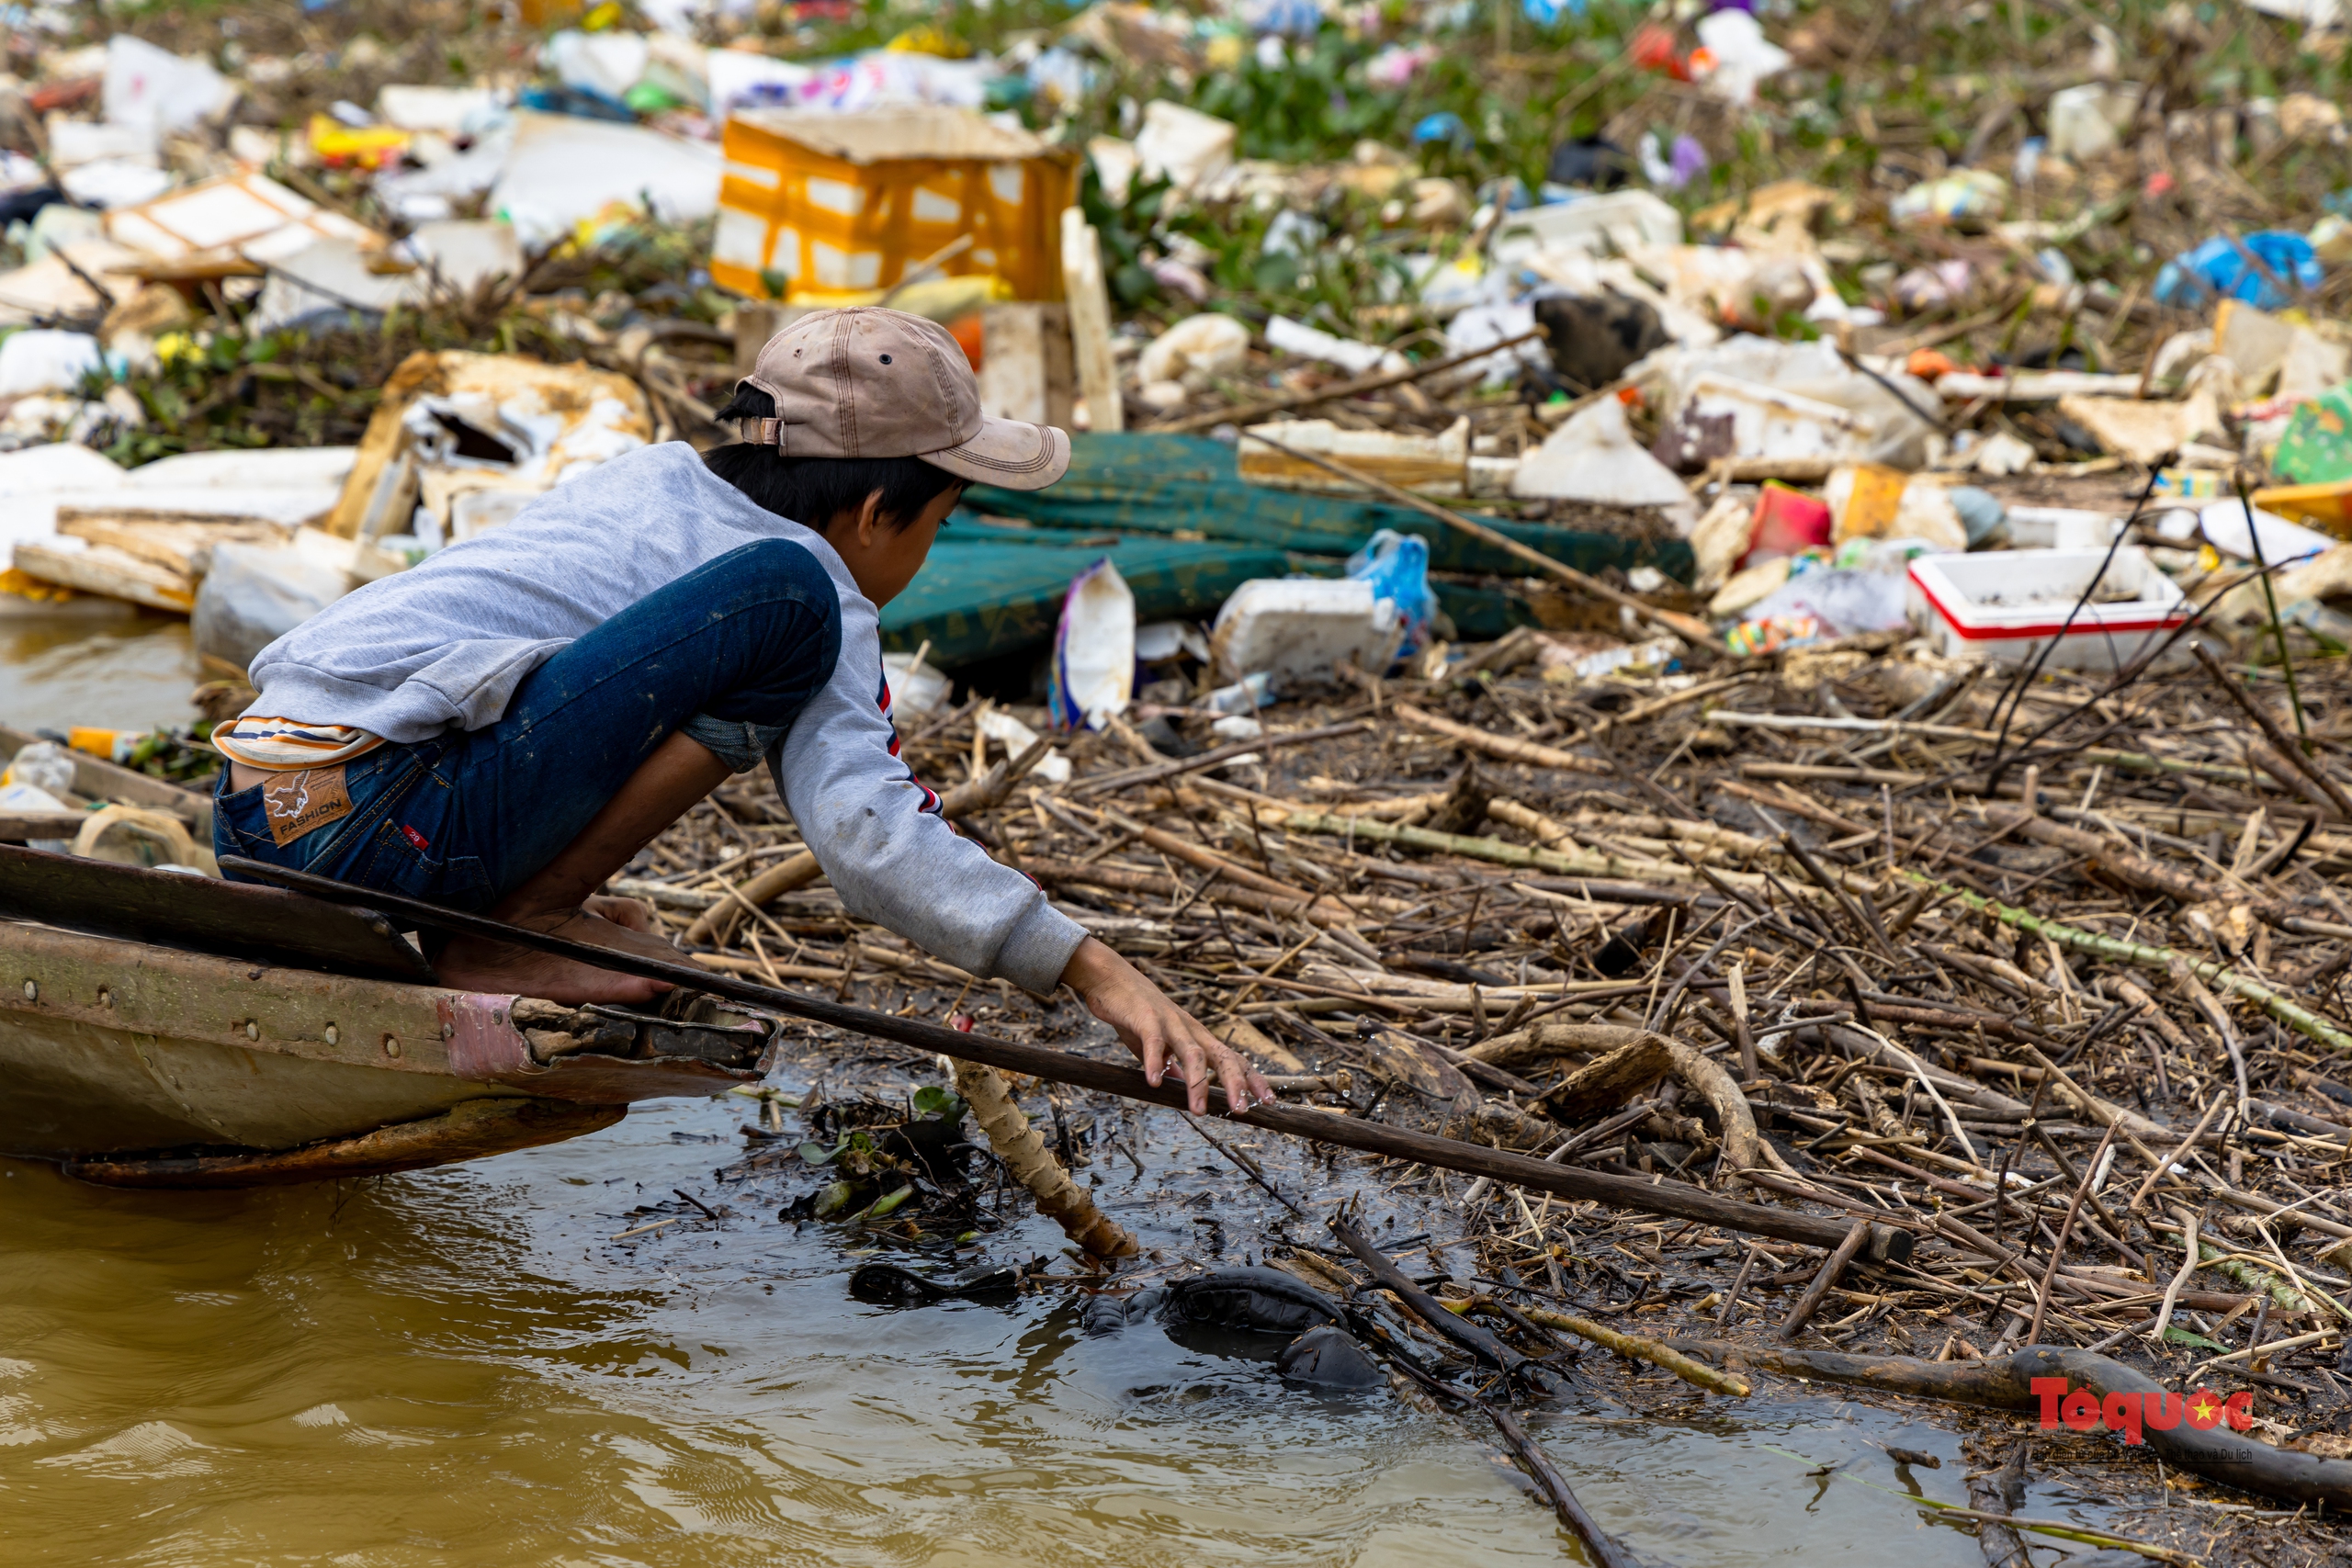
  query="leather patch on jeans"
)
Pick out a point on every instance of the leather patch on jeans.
point(296, 803)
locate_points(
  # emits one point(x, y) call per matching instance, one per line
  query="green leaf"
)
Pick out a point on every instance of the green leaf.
point(818, 1154)
point(883, 1207)
point(944, 1103)
point(2185, 1336)
point(833, 1199)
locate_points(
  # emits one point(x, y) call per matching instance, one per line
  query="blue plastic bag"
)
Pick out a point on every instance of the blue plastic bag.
point(1442, 126)
point(2220, 268)
point(1398, 567)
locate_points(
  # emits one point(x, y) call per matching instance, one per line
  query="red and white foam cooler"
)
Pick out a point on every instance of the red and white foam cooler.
point(2006, 605)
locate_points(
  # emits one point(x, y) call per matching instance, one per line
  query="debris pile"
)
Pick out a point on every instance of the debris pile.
point(1754, 606)
point(2025, 989)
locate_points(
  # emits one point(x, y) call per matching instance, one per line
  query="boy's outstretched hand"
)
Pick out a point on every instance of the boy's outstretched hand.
point(1156, 1029)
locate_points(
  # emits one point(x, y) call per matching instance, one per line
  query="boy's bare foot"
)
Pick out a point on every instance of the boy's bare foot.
point(500, 969)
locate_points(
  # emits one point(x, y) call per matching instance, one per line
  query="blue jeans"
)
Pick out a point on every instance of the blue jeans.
point(729, 654)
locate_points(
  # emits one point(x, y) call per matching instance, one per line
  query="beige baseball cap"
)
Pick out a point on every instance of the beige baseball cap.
point(870, 382)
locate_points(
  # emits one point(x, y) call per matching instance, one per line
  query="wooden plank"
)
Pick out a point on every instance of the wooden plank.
point(16, 827)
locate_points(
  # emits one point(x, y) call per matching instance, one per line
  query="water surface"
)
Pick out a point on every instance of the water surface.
point(92, 664)
point(460, 1368)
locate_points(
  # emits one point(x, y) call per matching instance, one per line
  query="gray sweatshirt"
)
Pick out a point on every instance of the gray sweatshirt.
point(443, 645)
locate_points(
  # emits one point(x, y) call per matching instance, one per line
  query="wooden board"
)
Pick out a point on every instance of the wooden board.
point(232, 918)
point(177, 542)
point(16, 827)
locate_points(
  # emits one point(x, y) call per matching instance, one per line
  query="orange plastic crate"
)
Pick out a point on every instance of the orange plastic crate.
point(823, 208)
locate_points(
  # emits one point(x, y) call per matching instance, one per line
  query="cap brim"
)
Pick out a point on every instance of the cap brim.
point(1007, 452)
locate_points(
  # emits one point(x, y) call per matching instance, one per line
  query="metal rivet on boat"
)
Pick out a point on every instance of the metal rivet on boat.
point(448, 1029)
point(333, 1035)
point(253, 1028)
point(32, 990)
point(106, 997)
point(391, 1045)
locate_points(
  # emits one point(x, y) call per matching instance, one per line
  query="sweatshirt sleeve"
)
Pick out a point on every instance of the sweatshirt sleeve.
point(883, 843)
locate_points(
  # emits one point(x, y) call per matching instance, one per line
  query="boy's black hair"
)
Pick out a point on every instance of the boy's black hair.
point(813, 491)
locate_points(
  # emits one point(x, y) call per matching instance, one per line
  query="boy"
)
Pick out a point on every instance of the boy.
point(505, 725)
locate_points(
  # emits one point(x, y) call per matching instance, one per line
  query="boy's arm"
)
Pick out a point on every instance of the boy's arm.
point(880, 836)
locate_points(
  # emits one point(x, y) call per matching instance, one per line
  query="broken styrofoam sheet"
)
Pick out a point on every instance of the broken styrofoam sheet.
point(497, 423)
point(329, 278)
point(464, 253)
point(1434, 464)
point(2310, 366)
point(109, 182)
point(430, 194)
point(325, 282)
point(1313, 342)
point(49, 289)
point(2144, 431)
point(561, 170)
point(1187, 148)
point(1797, 400)
point(269, 468)
point(73, 142)
point(249, 214)
point(286, 488)
point(1016, 738)
point(501, 432)
point(1116, 164)
point(450, 111)
point(1620, 222)
point(32, 477)
point(1593, 457)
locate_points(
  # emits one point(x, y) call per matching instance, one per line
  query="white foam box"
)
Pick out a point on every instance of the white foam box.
point(2007, 605)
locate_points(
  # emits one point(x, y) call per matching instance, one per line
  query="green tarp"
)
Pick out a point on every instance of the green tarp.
point(1185, 485)
point(1185, 532)
point(988, 590)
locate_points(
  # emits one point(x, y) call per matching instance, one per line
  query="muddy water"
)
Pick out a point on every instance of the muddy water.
point(460, 1366)
point(111, 669)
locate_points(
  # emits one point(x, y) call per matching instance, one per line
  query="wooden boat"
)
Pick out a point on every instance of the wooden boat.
point(159, 1028)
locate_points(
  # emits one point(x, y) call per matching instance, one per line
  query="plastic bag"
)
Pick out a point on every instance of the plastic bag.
point(41, 765)
point(2222, 268)
point(1843, 602)
point(1093, 674)
point(1398, 567)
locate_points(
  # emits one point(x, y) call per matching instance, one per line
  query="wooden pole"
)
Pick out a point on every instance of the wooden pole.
point(1337, 390)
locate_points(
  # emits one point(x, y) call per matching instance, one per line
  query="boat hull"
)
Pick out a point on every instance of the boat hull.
point(118, 1051)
